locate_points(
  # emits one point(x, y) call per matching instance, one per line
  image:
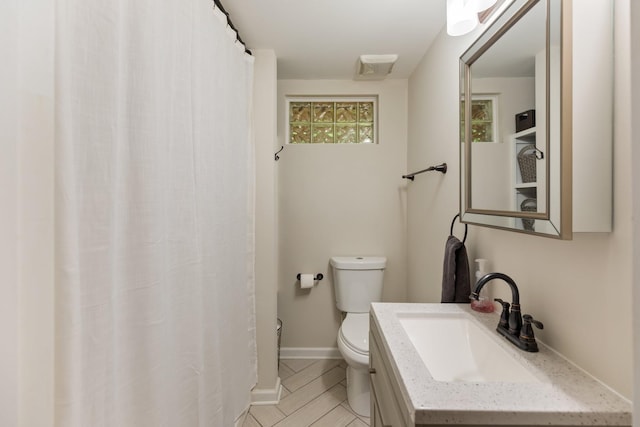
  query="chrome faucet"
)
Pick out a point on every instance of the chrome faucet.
point(511, 320)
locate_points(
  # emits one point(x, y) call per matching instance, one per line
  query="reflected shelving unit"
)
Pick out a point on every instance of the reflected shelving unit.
point(525, 177)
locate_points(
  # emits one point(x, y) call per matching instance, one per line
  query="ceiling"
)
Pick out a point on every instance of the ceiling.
point(322, 39)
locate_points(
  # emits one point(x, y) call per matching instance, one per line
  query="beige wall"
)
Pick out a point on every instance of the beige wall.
point(580, 289)
point(339, 200)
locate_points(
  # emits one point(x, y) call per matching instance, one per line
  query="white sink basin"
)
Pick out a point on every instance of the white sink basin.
point(454, 348)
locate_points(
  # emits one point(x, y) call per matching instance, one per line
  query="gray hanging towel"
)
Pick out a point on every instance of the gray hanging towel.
point(456, 284)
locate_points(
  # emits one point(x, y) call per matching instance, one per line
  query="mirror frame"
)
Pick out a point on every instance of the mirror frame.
point(556, 221)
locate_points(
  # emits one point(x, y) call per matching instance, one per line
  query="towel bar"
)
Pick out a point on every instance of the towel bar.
point(440, 168)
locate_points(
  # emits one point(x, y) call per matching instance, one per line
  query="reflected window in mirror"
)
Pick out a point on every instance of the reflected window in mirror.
point(484, 118)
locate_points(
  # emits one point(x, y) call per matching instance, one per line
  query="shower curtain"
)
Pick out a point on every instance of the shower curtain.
point(155, 320)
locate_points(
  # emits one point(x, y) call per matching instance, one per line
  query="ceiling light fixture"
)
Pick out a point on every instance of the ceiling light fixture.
point(374, 67)
point(462, 15)
point(480, 5)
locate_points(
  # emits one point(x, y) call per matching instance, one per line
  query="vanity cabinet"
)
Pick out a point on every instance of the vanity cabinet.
point(386, 407)
point(554, 392)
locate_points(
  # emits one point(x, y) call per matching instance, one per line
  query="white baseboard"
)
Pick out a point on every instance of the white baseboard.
point(267, 396)
point(310, 353)
point(240, 421)
point(271, 396)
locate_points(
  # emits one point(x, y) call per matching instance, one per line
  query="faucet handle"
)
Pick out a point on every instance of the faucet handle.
point(527, 319)
point(504, 317)
point(526, 333)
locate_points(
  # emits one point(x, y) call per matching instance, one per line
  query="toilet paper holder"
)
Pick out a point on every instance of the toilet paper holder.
point(318, 276)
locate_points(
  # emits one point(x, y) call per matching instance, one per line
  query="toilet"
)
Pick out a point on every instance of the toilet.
point(358, 283)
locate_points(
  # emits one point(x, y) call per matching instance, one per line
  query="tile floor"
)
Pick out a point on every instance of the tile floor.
point(313, 394)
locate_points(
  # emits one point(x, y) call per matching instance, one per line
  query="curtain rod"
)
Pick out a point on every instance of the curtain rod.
point(218, 4)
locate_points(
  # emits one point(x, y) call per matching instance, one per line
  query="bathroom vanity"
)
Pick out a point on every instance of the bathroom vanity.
point(510, 388)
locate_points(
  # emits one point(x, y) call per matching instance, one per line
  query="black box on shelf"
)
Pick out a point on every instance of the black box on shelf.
point(525, 120)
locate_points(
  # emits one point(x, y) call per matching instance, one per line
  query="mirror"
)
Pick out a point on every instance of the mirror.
point(515, 155)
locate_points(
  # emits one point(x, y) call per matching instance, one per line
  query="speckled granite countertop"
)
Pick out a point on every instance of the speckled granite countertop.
point(565, 396)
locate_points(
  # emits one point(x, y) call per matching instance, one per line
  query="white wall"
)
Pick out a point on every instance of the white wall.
point(634, 16)
point(9, 244)
point(266, 268)
point(26, 219)
point(340, 200)
point(580, 289)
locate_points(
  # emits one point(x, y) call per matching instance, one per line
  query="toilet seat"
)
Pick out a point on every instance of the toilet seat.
point(354, 333)
point(353, 343)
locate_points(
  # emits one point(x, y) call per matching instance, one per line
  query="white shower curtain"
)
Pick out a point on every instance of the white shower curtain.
point(155, 322)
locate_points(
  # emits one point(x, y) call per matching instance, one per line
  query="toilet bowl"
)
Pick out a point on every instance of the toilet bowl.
point(358, 283)
point(353, 343)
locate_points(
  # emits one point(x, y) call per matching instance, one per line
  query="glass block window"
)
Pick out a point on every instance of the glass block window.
point(334, 120)
point(484, 118)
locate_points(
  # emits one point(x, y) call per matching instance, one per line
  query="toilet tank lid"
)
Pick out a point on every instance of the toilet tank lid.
point(359, 262)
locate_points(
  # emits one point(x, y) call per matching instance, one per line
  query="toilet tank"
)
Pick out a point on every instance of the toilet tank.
point(357, 282)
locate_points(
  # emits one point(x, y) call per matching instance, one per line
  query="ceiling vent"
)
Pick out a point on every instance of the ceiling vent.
point(374, 67)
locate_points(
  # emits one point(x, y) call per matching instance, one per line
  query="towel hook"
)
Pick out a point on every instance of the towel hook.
point(539, 154)
point(466, 228)
point(276, 157)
